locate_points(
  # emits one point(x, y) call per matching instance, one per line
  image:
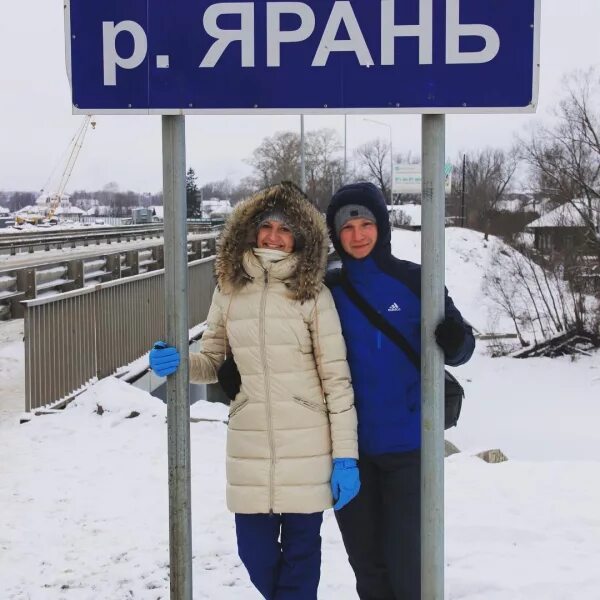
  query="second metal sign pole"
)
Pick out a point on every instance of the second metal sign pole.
point(302, 157)
point(176, 309)
point(432, 363)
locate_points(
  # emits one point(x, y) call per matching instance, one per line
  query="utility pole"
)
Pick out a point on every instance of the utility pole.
point(344, 180)
point(302, 159)
point(462, 193)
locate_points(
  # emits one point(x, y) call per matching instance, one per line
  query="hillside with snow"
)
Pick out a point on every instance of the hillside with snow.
point(468, 259)
point(490, 280)
point(84, 491)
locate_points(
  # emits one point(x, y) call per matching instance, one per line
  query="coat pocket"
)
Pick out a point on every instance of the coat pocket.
point(237, 407)
point(317, 407)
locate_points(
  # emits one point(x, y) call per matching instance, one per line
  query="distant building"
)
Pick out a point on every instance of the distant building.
point(98, 211)
point(67, 212)
point(214, 207)
point(567, 226)
point(88, 203)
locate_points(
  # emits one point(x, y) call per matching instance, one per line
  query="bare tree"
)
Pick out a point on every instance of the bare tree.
point(564, 157)
point(244, 189)
point(277, 159)
point(537, 294)
point(222, 189)
point(19, 200)
point(374, 164)
point(488, 173)
point(323, 165)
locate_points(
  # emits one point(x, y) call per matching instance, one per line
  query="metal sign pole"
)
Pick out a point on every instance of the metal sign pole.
point(302, 157)
point(462, 192)
point(345, 150)
point(178, 407)
point(391, 169)
point(432, 373)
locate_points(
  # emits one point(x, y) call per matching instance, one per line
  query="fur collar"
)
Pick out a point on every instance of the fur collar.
point(239, 235)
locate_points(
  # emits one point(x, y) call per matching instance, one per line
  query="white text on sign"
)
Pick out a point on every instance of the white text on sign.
point(341, 16)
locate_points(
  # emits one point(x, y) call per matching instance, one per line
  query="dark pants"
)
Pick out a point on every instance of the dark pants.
point(282, 553)
point(381, 527)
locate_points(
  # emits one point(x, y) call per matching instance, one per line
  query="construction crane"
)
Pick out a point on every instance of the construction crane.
point(53, 200)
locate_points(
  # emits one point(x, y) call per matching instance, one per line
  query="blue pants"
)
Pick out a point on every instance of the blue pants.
point(282, 553)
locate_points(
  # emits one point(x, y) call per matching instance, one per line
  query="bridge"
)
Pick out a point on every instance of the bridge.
point(94, 313)
point(70, 260)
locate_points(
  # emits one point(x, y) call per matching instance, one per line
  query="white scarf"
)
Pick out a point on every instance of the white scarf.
point(269, 255)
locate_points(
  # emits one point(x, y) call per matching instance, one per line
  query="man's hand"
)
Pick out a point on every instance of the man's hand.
point(450, 336)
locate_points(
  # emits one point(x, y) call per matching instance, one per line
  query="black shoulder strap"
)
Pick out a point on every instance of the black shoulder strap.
point(379, 321)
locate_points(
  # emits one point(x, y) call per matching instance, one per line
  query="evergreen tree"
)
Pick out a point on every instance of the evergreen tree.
point(192, 195)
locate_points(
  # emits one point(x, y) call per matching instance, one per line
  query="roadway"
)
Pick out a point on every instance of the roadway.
point(43, 257)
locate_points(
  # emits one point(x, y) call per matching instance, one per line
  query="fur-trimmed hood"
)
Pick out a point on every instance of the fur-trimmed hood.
point(310, 234)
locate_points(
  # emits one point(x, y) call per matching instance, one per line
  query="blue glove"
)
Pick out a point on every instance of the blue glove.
point(164, 359)
point(345, 481)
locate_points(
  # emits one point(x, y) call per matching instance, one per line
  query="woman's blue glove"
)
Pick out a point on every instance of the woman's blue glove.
point(345, 481)
point(164, 359)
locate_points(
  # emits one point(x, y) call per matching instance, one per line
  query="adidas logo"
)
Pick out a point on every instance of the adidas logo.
point(394, 308)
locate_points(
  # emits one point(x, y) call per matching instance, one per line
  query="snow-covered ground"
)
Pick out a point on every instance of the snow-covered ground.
point(83, 495)
point(468, 257)
point(412, 211)
point(12, 370)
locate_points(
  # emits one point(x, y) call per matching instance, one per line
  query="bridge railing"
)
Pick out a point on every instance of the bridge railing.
point(65, 274)
point(79, 336)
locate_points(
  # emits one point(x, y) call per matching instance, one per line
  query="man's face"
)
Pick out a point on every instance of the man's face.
point(358, 237)
point(276, 236)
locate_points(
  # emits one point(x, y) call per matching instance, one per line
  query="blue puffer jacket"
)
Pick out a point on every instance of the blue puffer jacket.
point(387, 386)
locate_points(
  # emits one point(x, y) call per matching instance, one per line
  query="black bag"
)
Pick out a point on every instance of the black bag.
point(453, 397)
point(229, 377)
point(453, 391)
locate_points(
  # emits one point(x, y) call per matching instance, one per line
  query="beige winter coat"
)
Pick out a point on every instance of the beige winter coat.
point(295, 409)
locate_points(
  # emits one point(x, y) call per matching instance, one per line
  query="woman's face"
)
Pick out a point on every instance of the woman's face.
point(275, 236)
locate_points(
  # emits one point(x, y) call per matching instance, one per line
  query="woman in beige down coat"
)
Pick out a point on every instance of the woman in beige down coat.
point(294, 415)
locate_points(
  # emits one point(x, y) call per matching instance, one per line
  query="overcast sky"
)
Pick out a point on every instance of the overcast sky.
point(36, 124)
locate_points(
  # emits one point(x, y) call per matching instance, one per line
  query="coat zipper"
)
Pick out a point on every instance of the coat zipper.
point(263, 351)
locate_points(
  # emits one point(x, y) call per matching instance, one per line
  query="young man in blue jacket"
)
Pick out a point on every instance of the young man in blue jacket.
point(381, 526)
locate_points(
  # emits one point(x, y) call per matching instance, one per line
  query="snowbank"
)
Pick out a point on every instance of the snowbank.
point(85, 513)
point(84, 492)
point(468, 259)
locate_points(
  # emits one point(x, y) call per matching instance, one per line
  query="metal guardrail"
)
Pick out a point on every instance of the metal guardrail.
point(76, 337)
point(14, 243)
point(26, 283)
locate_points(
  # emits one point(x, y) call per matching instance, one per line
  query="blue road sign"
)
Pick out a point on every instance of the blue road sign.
point(198, 56)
